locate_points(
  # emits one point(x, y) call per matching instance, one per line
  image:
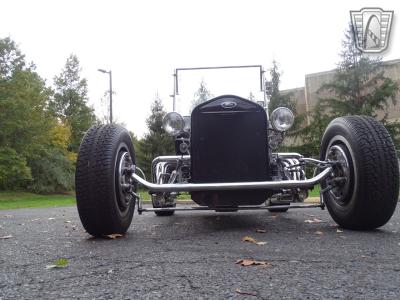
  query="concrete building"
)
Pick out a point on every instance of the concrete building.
point(306, 97)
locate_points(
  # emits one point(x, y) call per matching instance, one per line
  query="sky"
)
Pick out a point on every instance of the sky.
point(142, 42)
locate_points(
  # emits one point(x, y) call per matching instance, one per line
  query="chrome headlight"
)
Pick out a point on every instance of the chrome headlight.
point(173, 123)
point(186, 126)
point(282, 118)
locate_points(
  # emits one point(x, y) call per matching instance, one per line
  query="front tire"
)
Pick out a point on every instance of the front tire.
point(103, 184)
point(367, 197)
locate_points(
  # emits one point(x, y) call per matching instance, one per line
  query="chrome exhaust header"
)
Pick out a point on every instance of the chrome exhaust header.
point(231, 186)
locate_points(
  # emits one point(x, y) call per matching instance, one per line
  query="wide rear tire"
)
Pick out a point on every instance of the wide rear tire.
point(368, 197)
point(103, 185)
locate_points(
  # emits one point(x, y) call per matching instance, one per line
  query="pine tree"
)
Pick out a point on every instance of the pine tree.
point(201, 95)
point(276, 99)
point(359, 87)
point(252, 97)
point(156, 142)
point(70, 102)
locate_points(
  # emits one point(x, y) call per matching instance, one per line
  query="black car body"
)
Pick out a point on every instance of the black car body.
point(227, 160)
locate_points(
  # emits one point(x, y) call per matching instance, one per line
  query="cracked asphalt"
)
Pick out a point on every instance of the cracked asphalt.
point(194, 254)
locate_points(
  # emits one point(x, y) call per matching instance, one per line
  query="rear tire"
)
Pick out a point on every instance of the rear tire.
point(368, 197)
point(103, 185)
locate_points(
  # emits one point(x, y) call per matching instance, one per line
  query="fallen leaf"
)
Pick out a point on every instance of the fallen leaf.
point(339, 231)
point(261, 231)
point(250, 262)
point(114, 236)
point(249, 239)
point(314, 220)
point(239, 291)
point(319, 232)
point(245, 262)
point(59, 263)
point(6, 237)
point(261, 243)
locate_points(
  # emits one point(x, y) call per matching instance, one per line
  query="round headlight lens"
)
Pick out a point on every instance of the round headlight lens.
point(282, 118)
point(186, 126)
point(173, 123)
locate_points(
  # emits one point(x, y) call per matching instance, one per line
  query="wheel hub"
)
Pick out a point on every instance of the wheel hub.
point(125, 183)
point(340, 176)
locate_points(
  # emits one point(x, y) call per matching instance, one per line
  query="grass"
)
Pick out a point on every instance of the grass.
point(314, 192)
point(14, 200)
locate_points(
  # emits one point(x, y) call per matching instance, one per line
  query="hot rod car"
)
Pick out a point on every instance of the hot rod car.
point(226, 160)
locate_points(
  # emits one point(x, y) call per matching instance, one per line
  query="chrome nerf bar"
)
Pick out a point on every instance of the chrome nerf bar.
point(230, 186)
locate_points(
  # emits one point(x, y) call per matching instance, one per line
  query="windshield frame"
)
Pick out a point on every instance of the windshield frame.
point(177, 70)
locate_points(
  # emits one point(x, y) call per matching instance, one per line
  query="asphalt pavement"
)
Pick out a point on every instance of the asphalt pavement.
point(301, 254)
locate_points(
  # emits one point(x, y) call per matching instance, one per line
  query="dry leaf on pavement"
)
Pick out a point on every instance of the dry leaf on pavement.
point(6, 237)
point(239, 291)
point(261, 243)
point(249, 239)
point(314, 220)
point(114, 236)
point(251, 262)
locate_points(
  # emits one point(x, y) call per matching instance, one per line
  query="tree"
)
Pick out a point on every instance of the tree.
point(11, 59)
point(70, 102)
point(252, 97)
point(26, 136)
point(276, 99)
point(156, 142)
point(359, 87)
point(201, 95)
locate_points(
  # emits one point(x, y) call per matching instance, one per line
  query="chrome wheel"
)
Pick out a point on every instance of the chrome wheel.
point(341, 176)
point(125, 187)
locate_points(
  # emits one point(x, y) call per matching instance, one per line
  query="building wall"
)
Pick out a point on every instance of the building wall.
point(306, 97)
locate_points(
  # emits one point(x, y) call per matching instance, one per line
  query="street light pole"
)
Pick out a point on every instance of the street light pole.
point(110, 75)
point(111, 104)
